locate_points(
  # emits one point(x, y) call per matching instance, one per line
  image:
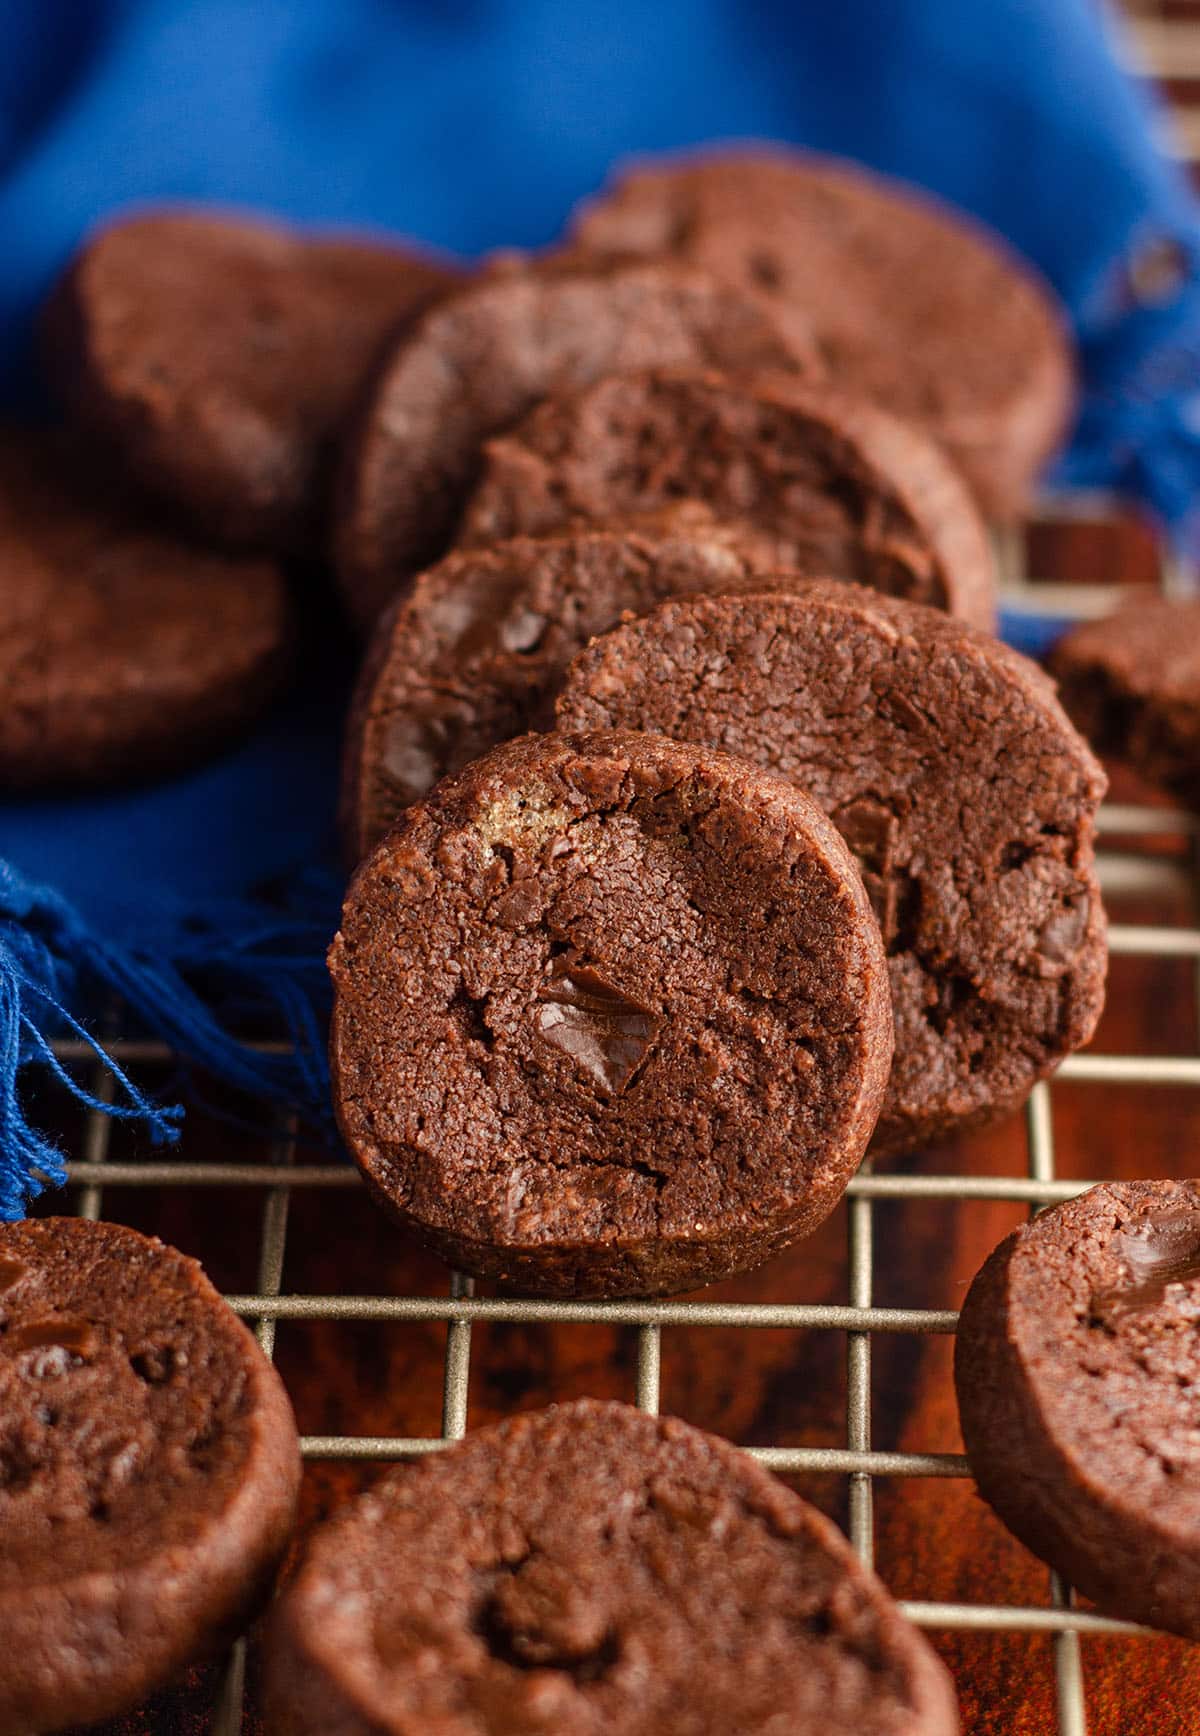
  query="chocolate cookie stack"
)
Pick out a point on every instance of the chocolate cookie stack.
point(705, 839)
point(700, 542)
point(207, 364)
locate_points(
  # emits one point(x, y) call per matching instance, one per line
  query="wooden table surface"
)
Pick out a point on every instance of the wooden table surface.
point(934, 1537)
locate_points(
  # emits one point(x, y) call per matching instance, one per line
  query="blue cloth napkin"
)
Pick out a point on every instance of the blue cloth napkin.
point(472, 124)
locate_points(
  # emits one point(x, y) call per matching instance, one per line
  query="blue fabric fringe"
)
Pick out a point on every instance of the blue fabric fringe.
point(227, 967)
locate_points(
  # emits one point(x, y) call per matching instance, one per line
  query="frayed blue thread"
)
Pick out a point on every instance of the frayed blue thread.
point(259, 961)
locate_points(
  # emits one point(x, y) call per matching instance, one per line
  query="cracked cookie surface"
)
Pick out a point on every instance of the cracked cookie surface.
point(836, 484)
point(148, 1470)
point(948, 766)
point(593, 1570)
point(1077, 1371)
point(912, 303)
point(611, 1016)
point(475, 653)
point(481, 359)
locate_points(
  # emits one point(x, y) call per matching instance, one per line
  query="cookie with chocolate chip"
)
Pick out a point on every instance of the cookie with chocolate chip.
point(1132, 683)
point(218, 355)
point(478, 361)
point(148, 1470)
point(912, 304)
point(1077, 1366)
point(948, 766)
point(840, 487)
point(474, 654)
point(611, 1016)
point(591, 1569)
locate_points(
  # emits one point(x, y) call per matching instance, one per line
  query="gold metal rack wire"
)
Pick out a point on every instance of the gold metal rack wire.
point(276, 1177)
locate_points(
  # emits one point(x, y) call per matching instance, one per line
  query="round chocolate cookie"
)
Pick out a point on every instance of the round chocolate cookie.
point(611, 1016)
point(1077, 1365)
point(148, 1470)
point(475, 653)
point(1132, 684)
point(912, 304)
point(594, 1570)
point(948, 766)
point(838, 485)
point(219, 356)
point(479, 360)
point(124, 652)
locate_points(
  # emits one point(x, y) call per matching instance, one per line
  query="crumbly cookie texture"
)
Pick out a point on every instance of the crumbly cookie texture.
point(475, 653)
point(952, 772)
point(476, 363)
point(1132, 684)
point(910, 303)
point(840, 486)
point(1076, 1367)
point(592, 1569)
point(611, 1016)
point(149, 1468)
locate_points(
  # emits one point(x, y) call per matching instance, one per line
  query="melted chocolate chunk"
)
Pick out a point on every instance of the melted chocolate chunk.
point(1161, 1250)
point(603, 1031)
point(68, 1333)
point(11, 1272)
point(1063, 933)
point(872, 831)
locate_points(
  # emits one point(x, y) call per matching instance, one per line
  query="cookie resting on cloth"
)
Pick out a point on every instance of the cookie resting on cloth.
point(482, 358)
point(218, 355)
point(910, 302)
point(125, 651)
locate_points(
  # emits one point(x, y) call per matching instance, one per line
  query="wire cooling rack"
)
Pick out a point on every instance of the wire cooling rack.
point(1143, 871)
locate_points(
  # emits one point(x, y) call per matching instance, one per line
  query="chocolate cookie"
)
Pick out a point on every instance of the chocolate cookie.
point(218, 356)
point(1077, 1367)
point(148, 1470)
point(611, 1016)
point(475, 653)
point(478, 361)
point(840, 486)
point(946, 763)
point(594, 1570)
point(1132, 684)
point(912, 304)
point(124, 652)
